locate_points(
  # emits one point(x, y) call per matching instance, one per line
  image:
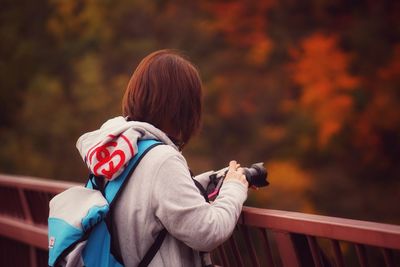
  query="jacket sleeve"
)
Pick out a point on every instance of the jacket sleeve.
point(182, 210)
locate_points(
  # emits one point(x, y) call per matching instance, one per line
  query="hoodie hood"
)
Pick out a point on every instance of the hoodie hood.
point(107, 151)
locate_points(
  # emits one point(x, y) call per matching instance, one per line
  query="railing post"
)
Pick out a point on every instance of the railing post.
point(32, 256)
point(267, 250)
point(25, 206)
point(28, 218)
point(250, 246)
point(362, 257)
point(235, 250)
point(388, 256)
point(314, 251)
point(337, 253)
point(224, 258)
point(286, 249)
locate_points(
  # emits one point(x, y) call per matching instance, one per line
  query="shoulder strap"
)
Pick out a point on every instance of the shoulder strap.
point(201, 189)
point(115, 187)
point(153, 249)
point(112, 188)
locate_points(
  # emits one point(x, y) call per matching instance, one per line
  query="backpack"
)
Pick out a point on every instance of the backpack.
point(80, 221)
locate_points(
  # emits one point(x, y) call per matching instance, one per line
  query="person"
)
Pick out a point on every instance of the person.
point(163, 101)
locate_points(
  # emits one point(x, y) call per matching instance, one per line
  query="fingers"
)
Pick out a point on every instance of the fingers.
point(236, 173)
point(232, 165)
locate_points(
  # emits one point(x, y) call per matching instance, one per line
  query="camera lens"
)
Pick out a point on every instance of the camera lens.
point(256, 175)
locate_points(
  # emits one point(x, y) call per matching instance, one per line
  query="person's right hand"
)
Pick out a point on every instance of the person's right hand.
point(236, 173)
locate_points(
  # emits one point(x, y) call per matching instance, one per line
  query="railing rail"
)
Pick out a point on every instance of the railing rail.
point(297, 234)
point(369, 233)
point(262, 238)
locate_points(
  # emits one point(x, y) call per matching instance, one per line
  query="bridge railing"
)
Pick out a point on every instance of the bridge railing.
point(262, 237)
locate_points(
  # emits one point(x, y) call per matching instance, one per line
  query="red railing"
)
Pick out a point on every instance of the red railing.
point(262, 238)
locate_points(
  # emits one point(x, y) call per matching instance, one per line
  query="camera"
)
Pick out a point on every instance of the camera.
point(256, 176)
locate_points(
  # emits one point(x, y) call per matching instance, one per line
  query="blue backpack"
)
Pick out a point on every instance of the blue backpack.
point(79, 221)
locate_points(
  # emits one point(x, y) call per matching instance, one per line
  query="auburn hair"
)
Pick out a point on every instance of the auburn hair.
point(165, 91)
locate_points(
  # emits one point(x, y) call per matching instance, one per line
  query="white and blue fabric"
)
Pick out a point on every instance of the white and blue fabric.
point(77, 229)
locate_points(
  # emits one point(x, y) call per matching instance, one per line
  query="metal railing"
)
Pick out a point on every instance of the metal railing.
point(262, 237)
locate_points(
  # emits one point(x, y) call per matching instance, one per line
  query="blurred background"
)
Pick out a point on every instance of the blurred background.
point(310, 88)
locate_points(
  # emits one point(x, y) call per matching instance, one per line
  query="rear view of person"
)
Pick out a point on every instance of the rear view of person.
point(163, 101)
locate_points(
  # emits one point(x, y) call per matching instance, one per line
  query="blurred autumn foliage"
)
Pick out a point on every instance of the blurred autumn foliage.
point(311, 88)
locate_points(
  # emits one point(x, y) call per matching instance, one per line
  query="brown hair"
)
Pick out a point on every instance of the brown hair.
point(165, 91)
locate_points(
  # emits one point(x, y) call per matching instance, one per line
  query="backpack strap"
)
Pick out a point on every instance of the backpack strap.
point(201, 189)
point(114, 187)
point(205, 256)
point(153, 249)
point(112, 190)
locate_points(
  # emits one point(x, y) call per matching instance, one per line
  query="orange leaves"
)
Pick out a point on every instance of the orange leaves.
point(392, 71)
point(260, 51)
point(321, 70)
point(244, 25)
point(384, 108)
point(225, 15)
point(77, 19)
point(320, 63)
point(290, 187)
point(382, 113)
point(273, 133)
point(233, 96)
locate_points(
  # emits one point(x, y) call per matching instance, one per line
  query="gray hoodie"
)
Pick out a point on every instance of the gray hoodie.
point(160, 194)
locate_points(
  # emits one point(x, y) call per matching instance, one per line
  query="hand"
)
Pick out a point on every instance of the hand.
point(236, 173)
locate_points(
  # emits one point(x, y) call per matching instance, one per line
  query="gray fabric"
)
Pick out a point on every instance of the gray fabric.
point(74, 258)
point(106, 151)
point(73, 205)
point(160, 194)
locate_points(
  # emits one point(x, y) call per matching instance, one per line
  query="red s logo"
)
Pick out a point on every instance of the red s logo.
point(113, 161)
